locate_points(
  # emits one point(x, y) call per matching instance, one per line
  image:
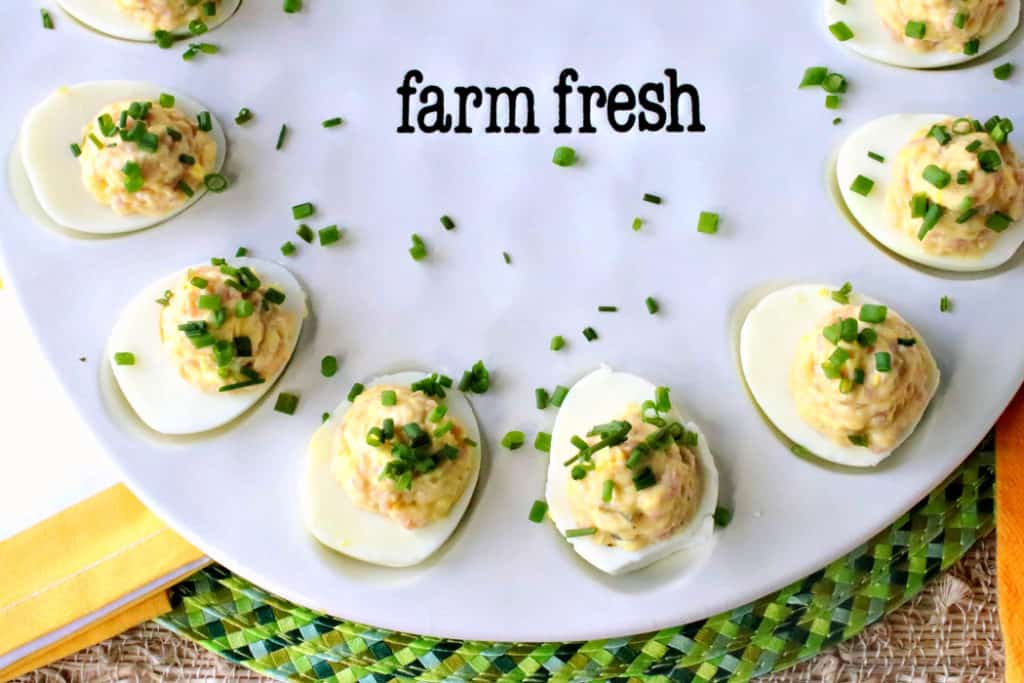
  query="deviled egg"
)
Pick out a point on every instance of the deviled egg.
point(391, 473)
point(843, 377)
point(198, 348)
point(115, 156)
point(630, 481)
point(141, 19)
point(922, 34)
point(943, 191)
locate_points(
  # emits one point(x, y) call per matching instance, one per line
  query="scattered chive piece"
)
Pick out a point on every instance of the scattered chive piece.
point(325, 417)
point(281, 136)
point(590, 333)
point(962, 177)
point(960, 19)
point(989, 160)
point(124, 358)
point(292, 6)
point(867, 337)
point(836, 121)
point(438, 413)
point(883, 361)
point(557, 342)
point(577, 533)
point(661, 400)
point(354, 392)
point(707, 223)
point(514, 440)
point(288, 248)
point(538, 511)
point(873, 313)
point(388, 398)
point(723, 516)
point(76, 151)
point(332, 123)
point(564, 156)
point(841, 31)
point(607, 489)
point(858, 440)
point(831, 101)
point(204, 121)
point(541, 397)
point(652, 198)
point(940, 134)
point(1003, 71)
point(971, 46)
point(645, 479)
point(418, 250)
point(974, 146)
point(842, 295)
point(945, 304)
point(185, 189)
point(931, 219)
point(47, 19)
point(858, 376)
point(558, 396)
point(164, 39)
point(447, 223)
point(329, 235)
point(215, 182)
point(244, 116)
point(877, 157)
point(507, 257)
point(936, 176)
point(328, 366)
point(652, 305)
point(608, 309)
point(862, 185)
point(301, 211)
point(209, 302)
point(286, 403)
point(637, 224)
point(305, 232)
point(834, 83)
point(905, 341)
point(95, 140)
point(814, 75)
point(243, 309)
point(998, 222)
point(918, 205)
point(916, 30)
point(199, 283)
point(542, 442)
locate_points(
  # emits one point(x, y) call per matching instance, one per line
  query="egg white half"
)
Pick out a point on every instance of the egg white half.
point(887, 136)
point(769, 340)
point(56, 175)
point(606, 395)
point(339, 524)
point(156, 392)
point(872, 39)
point(106, 17)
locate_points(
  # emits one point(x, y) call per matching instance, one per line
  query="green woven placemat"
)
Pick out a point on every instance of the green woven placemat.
point(243, 623)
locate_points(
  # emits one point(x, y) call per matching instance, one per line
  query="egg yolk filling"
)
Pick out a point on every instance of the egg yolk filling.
point(142, 158)
point(397, 453)
point(637, 482)
point(950, 25)
point(956, 186)
point(862, 377)
point(225, 330)
point(167, 15)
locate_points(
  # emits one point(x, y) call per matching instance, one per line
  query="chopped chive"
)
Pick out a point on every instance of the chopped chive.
point(325, 417)
point(652, 305)
point(834, 83)
point(945, 304)
point(637, 224)
point(652, 198)
point(814, 75)
point(215, 182)
point(328, 366)
point(274, 296)
point(288, 248)
point(541, 398)
point(578, 533)
point(329, 235)
point(447, 222)
point(974, 146)
point(242, 385)
point(931, 218)
point(199, 283)
point(418, 250)
point(848, 329)
point(919, 205)
point(590, 333)
point(989, 160)
point(166, 100)
point(244, 116)
point(354, 392)
point(305, 233)
point(164, 39)
point(858, 376)
point(962, 177)
point(124, 358)
point(661, 400)
point(607, 489)
point(388, 398)
point(906, 341)
point(286, 403)
point(564, 156)
point(707, 223)
point(971, 46)
point(883, 361)
point(292, 6)
point(301, 211)
point(332, 123)
point(507, 257)
point(187, 159)
point(1003, 71)
point(444, 429)
point(76, 151)
point(558, 396)
point(542, 442)
point(209, 302)
point(281, 136)
point(842, 295)
point(873, 313)
point(513, 440)
point(723, 517)
point(557, 343)
point(867, 337)
point(205, 121)
point(95, 140)
point(862, 185)
point(998, 222)
point(858, 440)
point(960, 19)
point(538, 511)
point(940, 134)
point(47, 19)
point(841, 31)
point(243, 347)
point(438, 413)
point(936, 176)
point(916, 30)
point(608, 309)
point(877, 157)
point(832, 101)
point(645, 479)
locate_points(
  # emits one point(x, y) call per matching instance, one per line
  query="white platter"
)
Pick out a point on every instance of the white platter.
point(762, 164)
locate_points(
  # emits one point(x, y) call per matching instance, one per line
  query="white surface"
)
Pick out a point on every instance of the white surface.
point(873, 39)
point(105, 16)
point(602, 396)
point(769, 342)
point(153, 387)
point(48, 457)
point(761, 163)
point(340, 524)
point(887, 136)
point(55, 173)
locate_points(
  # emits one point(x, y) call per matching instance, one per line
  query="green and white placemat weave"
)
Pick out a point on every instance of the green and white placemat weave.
point(245, 624)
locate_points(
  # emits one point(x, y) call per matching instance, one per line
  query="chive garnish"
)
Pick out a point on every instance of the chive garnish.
point(723, 517)
point(244, 116)
point(862, 185)
point(538, 511)
point(418, 250)
point(607, 309)
point(388, 398)
point(877, 157)
point(873, 313)
point(477, 379)
point(589, 333)
point(328, 366)
point(329, 235)
point(651, 198)
point(557, 343)
point(637, 224)
point(558, 396)
point(707, 223)
point(47, 19)
point(577, 533)
point(971, 46)
point(936, 176)
point(301, 211)
point(274, 296)
point(542, 442)
point(354, 392)
point(305, 233)
point(286, 403)
point(541, 398)
point(508, 258)
point(1003, 71)
point(814, 75)
point(281, 136)
point(607, 489)
point(447, 222)
point(945, 304)
point(332, 123)
point(564, 156)
point(841, 31)
point(513, 440)
point(652, 305)
point(842, 295)
point(288, 248)
point(215, 182)
point(124, 358)
point(883, 361)
point(292, 6)
point(916, 30)
point(76, 151)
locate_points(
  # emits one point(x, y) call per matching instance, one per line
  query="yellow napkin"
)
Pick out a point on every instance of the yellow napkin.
point(78, 562)
point(1010, 534)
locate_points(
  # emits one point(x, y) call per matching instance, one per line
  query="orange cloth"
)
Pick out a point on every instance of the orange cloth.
point(1010, 534)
